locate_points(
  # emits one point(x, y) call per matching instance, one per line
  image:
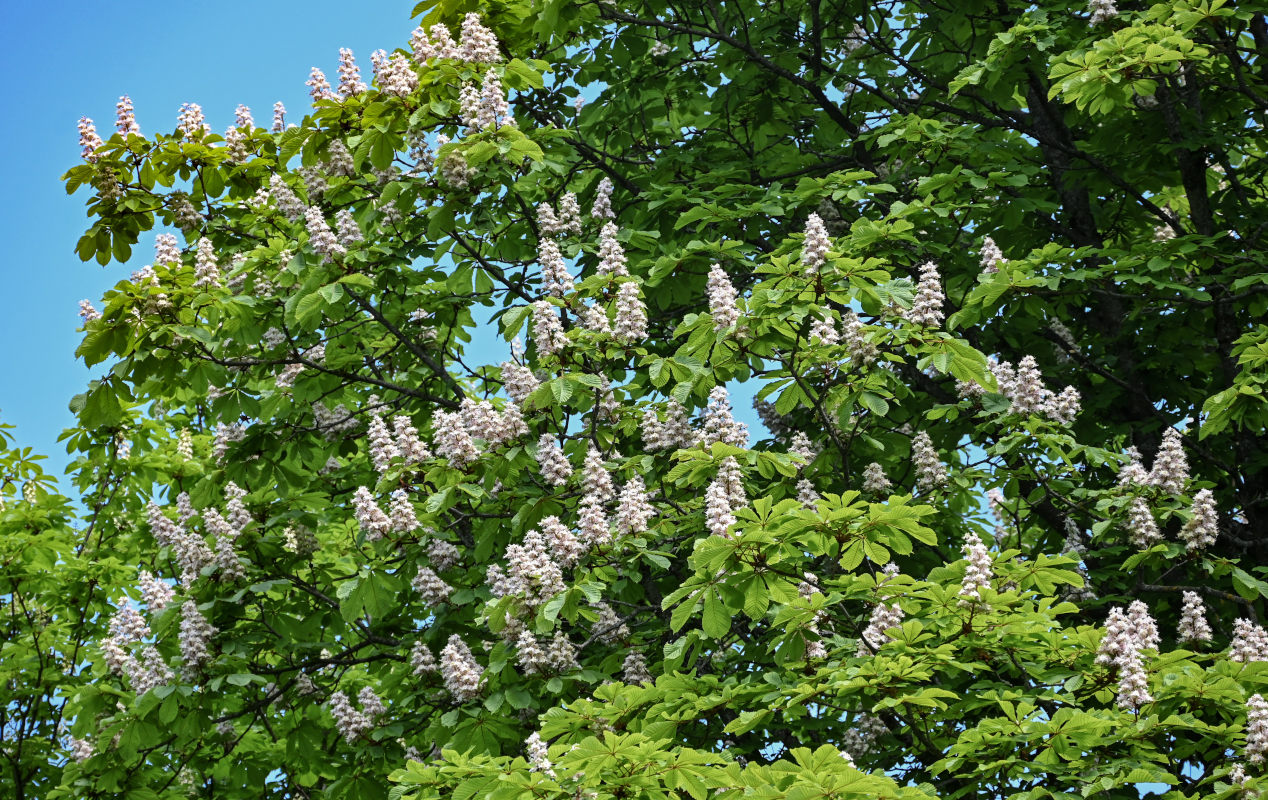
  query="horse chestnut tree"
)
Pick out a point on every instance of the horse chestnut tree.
point(414, 467)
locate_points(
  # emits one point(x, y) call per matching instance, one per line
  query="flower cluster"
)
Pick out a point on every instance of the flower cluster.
point(602, 206)
point(1250, 642)
point(548, 331)
point(926, 308)
point(719, 424)
point(1193, 625)
point(195, 634)
point(459, 670)
point(979, 571)
point(427, 583)
point(991, 256)
point(722, 299)
point(930, 473)
point(674, 432)
point(1126, 635)
point(814, 250)
point(611, 254)
point(1026, 393)
point(1202, 527)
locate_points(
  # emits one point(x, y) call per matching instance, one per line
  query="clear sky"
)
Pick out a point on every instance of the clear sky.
point(72, 58)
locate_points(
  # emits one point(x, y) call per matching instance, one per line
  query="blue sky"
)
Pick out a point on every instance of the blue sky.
point(72, 58)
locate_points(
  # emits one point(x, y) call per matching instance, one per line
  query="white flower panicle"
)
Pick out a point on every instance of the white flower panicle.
point(157, 594)
point(81, 749)
point(555, 277)
point(350, 722)
point(548, 331)
point(602, 208)
point(722, 299)
point(166, 250)
point(634, 669)
point(609, 629)
point(930, 473)
point(814, 250)
point(125, 117)
point(429, 585)
point(226, 558)
point(926, 307)
point(88, 139)
point(875, 480)
point(592, 522)
point(806, 494)
point(1250, 642)
point(369, 516)
point(611, 254)
point(149, 671)
point(382, 448)
point(883, 618)
point(570, 214)
point(824, 329)
point(1141, 525)
point(192, 123)
point(595, 477)
point(318, 86)
point(1170, 471)
point(443, 555)
point(1202, 528)
point(285, 198)
point(1101, 11)
point(1133, 683)
point(561, 655)
point(862, 351)
point(538, 761)
point(563, 543)
point(529, 653)
point(719, 424)
point(348, 231)
point(401, 512)
point(451, 439)
point(634, 510)
point(802, 448)
point(547, 222)
point(1193, 625)
point(553, 463)
point(195, 635)
point(1133, 472)
point(87, 312)
point(206, 270)
point(631, 318)
point(408, 444)
point(421, 660)
point(532, 573)
point(350, 82)
point(673, 433)
point(279, 117)
point(1256, 729)
point(1146, 629)
point(397, 76)
point(320, 236)
point(718, 513)
point(991, 256)
point(477, 43)
point(518, 380)
point(494, 109)
point(461, 673)
point(979, 570)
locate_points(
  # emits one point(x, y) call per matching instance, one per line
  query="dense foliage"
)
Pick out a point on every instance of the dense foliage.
point(994, 271)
